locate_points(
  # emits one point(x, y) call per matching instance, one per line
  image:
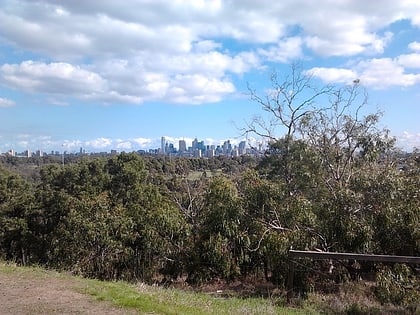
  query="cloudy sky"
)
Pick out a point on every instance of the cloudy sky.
point(107, 74)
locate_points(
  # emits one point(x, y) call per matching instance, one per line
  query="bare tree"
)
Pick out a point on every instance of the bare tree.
point(288, 101)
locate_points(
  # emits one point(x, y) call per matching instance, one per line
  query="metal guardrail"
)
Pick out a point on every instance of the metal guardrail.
point(341, 256)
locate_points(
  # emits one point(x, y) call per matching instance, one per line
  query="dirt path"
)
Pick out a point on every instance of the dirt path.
point(24, 293)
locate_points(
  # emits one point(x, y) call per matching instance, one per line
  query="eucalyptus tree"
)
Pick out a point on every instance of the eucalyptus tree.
point(320, 138)
point(345, 140)
point(220, 249)
point(159, 229)
point(18, 241)
point(94, 239)
point(394, 197)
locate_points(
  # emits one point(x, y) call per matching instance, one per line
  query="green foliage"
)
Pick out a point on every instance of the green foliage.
point(356, 309)
point(222, 243)
point(293, 163)
point(399, 286)
point(93, 241)
point(17, 218)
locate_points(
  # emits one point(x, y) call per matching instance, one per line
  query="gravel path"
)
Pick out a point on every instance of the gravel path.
point(27, 293)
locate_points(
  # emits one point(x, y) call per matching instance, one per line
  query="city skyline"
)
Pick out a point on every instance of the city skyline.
point(168, 146)
point(108, 75)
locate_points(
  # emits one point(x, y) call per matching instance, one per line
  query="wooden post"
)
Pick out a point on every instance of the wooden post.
point(290, 276)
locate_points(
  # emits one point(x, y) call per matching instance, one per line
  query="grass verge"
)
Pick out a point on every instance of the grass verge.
point(147, 299)
point(155, 300)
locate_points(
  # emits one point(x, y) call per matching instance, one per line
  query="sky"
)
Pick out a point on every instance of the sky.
point(118, 75)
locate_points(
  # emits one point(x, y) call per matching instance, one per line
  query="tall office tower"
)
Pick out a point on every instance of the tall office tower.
point(241, 148)
point(201, 146)
point(182, 146)
point(227, 147)
point(210, 151)
point(195, 144)
point(162, 145)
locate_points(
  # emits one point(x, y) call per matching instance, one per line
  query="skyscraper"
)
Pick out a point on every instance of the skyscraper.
point(195, 144)
point(163, 145)
point(241, 147)
point(182, 146)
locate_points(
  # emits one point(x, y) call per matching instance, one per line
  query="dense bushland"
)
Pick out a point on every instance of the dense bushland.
point(112, 218)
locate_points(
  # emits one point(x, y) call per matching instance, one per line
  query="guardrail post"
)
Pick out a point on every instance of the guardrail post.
point(290, 276)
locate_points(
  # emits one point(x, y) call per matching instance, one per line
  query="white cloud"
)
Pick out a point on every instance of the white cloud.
point(410, 60)
point(124, 145)
point(23, 136)
point(204, 46)
point(201, 77)
point(385, 72)
point(136, 51)
point(415, 46)
point(4, 102)
point(52, 78)
point(288, 49)
point(379, 44)
point(105, 28)
point(333, 75)
point(99, 143)
point(408, 140)
point(377, 73)
point(197, 89)
point(142, 142)
point(23, 144)
point(69, 145)
point(353, 41)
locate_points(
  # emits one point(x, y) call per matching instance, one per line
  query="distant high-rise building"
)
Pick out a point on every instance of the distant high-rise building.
point(201, 146)
point(227, 147)
point(171, 149)
point(182, 146)
point(210, 152)
point(241, 147)
point(195, 144)
point(163, 145)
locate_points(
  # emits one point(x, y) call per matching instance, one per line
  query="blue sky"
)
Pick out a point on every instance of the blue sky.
point(106, 74)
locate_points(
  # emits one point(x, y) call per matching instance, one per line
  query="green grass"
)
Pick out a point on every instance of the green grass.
point(147, 299)
point(29, 271)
